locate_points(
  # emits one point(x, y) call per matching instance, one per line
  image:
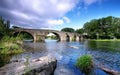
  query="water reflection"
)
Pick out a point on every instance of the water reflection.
point(68, 52)
point(113, 46)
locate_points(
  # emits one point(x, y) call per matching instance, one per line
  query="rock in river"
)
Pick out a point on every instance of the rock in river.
point(41, 66)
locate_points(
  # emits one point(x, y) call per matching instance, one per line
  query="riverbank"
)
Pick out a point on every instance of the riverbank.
point(9, 46)
point(104, 40)
point(43, 66)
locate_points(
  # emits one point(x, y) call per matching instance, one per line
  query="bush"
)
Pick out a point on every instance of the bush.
point(85, 63)
point(10, 45)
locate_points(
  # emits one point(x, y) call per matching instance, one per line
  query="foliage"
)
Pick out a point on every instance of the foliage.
point(103, 28)
point(52, 37)
point(27, 64)
point(85, 63)
point(68, 30)
point(15, 27)
point(106, 40)
point(73, 38)
point(4, 59)
point(10, 45)
point(80, 31)
point(4, 27)
point(23, 35)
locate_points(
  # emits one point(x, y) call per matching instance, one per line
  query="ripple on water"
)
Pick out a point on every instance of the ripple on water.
point(67, 56)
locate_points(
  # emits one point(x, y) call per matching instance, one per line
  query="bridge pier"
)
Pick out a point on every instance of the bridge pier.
point(81, 37)
point(39, 38)
point(71, 38)
point(63, 38)
point(77, 38)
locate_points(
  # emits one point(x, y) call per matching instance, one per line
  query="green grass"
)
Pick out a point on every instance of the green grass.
point(10, 45)
point(104, 39)
point(85, 63)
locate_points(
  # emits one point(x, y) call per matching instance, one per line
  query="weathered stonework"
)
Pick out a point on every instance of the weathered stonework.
point(39, 34)
point(41, 66)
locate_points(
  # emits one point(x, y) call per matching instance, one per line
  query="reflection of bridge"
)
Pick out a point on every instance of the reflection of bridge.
point(40, 34)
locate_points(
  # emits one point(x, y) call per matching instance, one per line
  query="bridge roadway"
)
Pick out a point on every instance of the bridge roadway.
point(40, 34)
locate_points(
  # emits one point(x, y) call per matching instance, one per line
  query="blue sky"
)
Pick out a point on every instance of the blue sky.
point(56, 14)
point(93, 11)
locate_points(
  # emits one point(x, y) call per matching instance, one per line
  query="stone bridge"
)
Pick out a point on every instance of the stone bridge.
point(40, 34)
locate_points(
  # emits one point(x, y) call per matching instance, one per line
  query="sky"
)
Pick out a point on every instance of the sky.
point(56, 14)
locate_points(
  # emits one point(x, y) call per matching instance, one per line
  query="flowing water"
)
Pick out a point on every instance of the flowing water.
point(105, 53)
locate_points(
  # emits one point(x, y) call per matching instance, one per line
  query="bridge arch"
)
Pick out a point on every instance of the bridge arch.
point(25, 34)
point(39, 35)
point(56, 34)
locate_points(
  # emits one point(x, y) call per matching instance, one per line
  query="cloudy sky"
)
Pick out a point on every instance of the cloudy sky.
point(56, 14)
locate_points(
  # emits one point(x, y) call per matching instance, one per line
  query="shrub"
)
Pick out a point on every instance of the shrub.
point(9, 39)
point(85, 63)
point(10, 45)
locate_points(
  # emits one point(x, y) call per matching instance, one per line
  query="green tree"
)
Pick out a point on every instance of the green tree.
point(15, 27)
point(116, 27)
point(105, 24)
point(91, 28)
point(103, 28)
point(68, 30)
point(80, 31)
point(4, 27)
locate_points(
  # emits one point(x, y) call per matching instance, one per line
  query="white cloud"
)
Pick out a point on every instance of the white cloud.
point(40, 13)
point(66, 19)
point(89, 2)
point(55, 22)
point(36, 13)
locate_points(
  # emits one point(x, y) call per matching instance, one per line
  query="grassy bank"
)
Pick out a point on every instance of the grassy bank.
point(105, 40)
point(9, 46)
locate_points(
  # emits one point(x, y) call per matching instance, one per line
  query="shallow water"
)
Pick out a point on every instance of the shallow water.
point(105, 53)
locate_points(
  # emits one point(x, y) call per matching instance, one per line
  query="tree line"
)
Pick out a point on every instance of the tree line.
point(102, 28)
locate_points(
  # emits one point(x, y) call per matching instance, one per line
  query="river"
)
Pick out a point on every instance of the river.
point(105, 53)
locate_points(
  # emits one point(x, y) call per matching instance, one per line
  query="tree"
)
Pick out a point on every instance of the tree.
point(15, 27)
point(68, 30)
point(103, 28)
point(80, 31)
point(105, 24)
point(91, 28)
point(116, 27)
point(4, 27)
